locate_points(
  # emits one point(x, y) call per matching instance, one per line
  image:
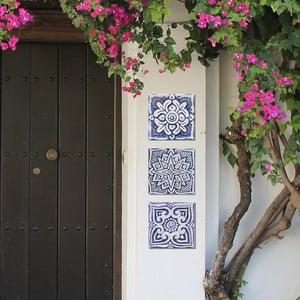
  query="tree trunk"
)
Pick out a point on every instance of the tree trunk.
point(223, 282)
point(216, 284)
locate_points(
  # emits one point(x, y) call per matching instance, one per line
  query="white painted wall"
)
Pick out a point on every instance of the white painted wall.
point(177, 274)
point(161, 274)
point(273, 272)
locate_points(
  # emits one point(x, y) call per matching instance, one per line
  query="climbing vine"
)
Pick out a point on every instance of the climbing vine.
point(263, 38)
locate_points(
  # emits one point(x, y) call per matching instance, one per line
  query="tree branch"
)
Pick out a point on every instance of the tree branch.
point(231, 225)
point(283, 224)
point(234, 266)
point(295, 195)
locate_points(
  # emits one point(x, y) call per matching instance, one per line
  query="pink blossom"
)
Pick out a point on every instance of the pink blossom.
point(85, 5)
point(246, 68)
point(269, 97)
point(263, 64)
point(12, 21)
point(226, 39)
point(126, 89)
point(113, 50)
point(202, 19)
point(212, 41)
point(268, 167)
point(187, 65)
point(126, 36)
point(244, 132)
point(238, 56)
point(230, 3)
point(24, 16)
point(243, 23)
point(251, 58)
point(242, 7)
point(281, 116)
point(12, 42)
point(254, 87)
point(92, 32)
point(133, 84)
point(113, 29)
point(275, 73)
point(270, 112)
point(16, 4)
point(239, 76)
point(102, 36)
point(217, 21)
point(137, 93)
point(3, 9)
point(4, 46)
point(225, 12)
point(102, 46)
point(236, 65)
point(98, 10)
point(285, 81)
point(212, 2)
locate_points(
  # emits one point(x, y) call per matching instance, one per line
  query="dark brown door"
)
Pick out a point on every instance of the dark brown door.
point(56, 174)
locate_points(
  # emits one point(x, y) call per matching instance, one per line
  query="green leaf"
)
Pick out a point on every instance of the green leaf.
point(232, 159)
point(293, 104)
point(296, 122)
point(255, 166)
point(169, 41)
point(225, 148)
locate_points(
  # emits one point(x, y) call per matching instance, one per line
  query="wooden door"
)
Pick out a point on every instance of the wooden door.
point(57, 149)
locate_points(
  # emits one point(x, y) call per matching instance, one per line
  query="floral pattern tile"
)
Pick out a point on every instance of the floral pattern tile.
point(171, 171)
point(171, 225)
point(171, 117)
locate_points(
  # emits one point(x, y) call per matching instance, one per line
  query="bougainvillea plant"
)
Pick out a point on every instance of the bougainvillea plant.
point(12, 17)
point(263, 38)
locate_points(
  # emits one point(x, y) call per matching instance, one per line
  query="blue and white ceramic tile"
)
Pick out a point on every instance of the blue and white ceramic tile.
point(171, 225)
point(171, 117)
point(171, 171)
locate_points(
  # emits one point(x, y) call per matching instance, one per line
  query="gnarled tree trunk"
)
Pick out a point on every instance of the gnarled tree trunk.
point(222, 282)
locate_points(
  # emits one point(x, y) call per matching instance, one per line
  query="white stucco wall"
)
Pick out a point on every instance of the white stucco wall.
point(273, 272)
point(161, 274)
point(177, 274)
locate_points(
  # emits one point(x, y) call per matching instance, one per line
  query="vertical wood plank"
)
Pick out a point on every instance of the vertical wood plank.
point(14, 173)
point(72, 141)
point(43, 206)
point(99, 182)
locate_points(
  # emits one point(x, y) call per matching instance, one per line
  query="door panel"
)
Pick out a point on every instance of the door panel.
point(99, 184)
point(72, 140)
point(43, 175)
point(15, 88)
point(56, 212)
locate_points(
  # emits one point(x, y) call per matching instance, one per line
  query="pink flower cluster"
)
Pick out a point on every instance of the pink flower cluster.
point(11, 17)
point(133, 87)
point(116, 29)
point(222, 16)
point(242, 63)
point(260, 102)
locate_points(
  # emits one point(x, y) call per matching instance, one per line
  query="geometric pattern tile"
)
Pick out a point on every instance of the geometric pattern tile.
point(171, 117)
point(171, 171)
point(171, 225)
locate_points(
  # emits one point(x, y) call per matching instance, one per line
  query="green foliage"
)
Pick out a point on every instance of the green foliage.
point(266, 29)
point(228, 152)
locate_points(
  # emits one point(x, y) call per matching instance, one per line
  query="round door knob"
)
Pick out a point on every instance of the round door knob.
point(51, 154)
